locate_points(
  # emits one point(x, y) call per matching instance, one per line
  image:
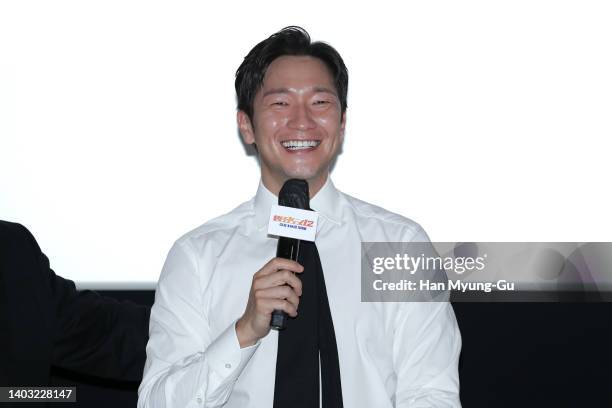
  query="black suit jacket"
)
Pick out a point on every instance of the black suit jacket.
point(45, 321)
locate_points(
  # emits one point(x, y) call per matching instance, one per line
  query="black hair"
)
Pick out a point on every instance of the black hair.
point(292, 40)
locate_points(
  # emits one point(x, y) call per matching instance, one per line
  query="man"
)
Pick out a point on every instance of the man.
point(210, 340)
point(45, 321)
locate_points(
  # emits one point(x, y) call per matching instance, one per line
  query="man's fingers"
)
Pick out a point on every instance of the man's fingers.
point(279, 278)
point(285, 306)
point(274, 287)
point(278, 292)
point(267, 305)
point(277, 264)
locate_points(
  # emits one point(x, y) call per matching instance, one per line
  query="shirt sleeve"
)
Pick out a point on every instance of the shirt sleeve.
point(426, 349)
point(185, 366)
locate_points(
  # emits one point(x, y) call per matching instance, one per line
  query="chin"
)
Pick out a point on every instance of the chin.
point(301, 174)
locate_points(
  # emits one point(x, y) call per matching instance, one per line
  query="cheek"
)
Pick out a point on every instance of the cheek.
point(331, 123)
point(268, 124)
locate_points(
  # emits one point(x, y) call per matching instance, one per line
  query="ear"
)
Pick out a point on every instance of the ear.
point(245, 127)
point(342, 126)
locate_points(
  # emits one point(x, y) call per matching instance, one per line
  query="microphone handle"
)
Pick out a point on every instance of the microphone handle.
point(288, 248)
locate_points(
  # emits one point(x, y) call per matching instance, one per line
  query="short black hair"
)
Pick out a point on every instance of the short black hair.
point(292, 40)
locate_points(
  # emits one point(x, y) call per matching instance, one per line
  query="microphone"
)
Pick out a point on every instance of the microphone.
point(294, 193)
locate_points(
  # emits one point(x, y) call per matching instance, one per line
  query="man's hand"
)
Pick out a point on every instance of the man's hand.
point(274, 287)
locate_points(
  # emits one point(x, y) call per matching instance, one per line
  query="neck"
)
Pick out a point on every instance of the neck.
point(274, 185)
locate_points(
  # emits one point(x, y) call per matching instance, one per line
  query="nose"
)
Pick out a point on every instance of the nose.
point(301, 118)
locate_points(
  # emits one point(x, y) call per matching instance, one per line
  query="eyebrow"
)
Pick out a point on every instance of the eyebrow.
point(286, 90)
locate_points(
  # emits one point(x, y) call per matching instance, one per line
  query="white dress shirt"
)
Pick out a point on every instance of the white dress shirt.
point(391, 354)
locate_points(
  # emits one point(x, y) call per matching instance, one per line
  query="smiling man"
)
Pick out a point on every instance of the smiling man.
point(210, 340)
point(296, 122)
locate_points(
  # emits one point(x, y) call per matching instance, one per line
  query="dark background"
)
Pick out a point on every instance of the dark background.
point(513, 355)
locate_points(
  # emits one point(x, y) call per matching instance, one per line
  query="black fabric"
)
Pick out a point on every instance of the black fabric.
point(307, 335)
point(46, 321)
point(4, 341)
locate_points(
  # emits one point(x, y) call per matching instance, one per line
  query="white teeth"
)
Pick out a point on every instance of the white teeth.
point(300, 144)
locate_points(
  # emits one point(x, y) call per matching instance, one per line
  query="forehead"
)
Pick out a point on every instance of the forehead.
point(290, 71)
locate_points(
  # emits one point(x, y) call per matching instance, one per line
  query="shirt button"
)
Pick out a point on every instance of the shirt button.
point(228, 365)
point(199, 400)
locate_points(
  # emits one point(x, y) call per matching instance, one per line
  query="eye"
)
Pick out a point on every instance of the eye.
point(321, 102)
point(280, 103)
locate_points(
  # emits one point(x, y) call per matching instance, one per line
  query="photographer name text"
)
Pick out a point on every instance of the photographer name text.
point(428, 285)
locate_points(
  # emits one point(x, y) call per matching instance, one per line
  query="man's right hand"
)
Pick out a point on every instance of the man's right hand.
point(274, 287)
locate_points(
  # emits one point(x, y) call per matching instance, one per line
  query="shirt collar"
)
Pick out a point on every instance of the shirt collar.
point(325, 202)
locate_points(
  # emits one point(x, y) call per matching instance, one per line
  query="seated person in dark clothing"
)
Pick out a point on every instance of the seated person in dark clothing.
point(45, 321)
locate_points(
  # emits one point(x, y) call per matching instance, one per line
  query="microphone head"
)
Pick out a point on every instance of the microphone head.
point(294, 193)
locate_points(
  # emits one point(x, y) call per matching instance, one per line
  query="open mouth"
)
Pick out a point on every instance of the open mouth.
point(294, 145)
